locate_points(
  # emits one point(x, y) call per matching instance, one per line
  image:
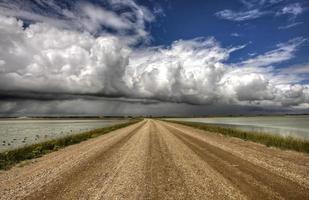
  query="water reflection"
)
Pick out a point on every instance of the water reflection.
point(296, 126)
point(17, 133)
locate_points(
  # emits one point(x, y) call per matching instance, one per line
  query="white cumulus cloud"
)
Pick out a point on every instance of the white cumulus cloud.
point(44, 59)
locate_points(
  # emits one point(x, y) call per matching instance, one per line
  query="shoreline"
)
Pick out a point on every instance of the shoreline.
point(268, 139)
point(10, 158)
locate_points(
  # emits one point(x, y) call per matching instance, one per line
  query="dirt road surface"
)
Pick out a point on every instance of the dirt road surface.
point(161, 160)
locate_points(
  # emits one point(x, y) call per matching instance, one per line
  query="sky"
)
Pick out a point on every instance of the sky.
point(154, 57)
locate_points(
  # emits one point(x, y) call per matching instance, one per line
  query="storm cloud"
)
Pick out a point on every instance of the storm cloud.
point(44, 62)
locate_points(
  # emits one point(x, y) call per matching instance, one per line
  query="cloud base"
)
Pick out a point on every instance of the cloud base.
point(42, 62)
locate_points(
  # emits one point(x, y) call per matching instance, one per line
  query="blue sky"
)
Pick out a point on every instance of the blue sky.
point(186, 20)
point(208, 57)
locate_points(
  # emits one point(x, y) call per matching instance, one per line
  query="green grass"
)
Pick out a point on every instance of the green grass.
point(290, 143)
point(12, 157)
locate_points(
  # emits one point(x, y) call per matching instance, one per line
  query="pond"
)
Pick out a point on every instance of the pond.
point(295, 126)
point(16, 133)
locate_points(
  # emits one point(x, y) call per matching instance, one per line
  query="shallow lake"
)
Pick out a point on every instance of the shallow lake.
point(296, 126)
point(16, 133)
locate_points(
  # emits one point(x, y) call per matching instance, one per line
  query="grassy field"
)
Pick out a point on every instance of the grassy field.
point(267, 139)
point(12, 157)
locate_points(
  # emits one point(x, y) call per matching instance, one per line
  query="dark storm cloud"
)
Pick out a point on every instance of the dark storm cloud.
point(35, 96)
point(83, 107)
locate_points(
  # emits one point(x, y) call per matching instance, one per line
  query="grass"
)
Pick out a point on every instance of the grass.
point(281, 142)
point(12, 157)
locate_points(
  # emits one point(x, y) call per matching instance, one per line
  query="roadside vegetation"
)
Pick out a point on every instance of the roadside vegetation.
point(12, 157)
point(282, 142)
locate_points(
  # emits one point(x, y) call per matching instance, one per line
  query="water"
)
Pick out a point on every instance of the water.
point(295, 126)
point(16, 133)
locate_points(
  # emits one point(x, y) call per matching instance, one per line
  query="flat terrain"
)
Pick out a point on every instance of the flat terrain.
point(160, 160)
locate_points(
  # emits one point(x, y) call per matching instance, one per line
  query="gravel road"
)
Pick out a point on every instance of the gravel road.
point(160, 160)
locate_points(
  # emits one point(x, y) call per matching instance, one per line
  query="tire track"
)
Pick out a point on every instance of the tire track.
point(88, 170)
point(163, 178)
point(252, 180)
point(202, 181)
point(126, 180)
